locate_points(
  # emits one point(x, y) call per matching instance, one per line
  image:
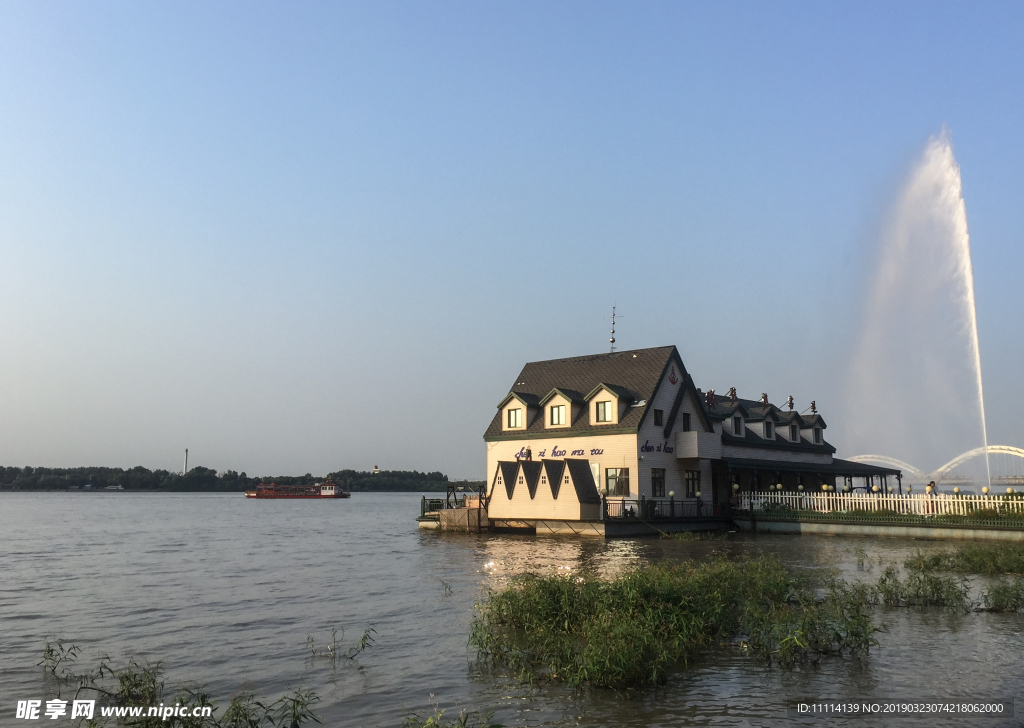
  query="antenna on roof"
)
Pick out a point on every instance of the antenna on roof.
point(612, 340)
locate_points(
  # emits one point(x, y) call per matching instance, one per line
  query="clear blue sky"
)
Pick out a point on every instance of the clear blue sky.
point(304, 236)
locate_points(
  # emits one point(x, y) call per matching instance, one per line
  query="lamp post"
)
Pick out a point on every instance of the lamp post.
point(672, 503)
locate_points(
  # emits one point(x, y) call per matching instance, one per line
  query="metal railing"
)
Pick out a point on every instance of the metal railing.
point(650, 509)
point(918, 504)
point(460, 500)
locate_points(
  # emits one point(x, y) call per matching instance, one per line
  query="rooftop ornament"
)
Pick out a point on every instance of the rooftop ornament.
point(732, 393)
point(789, 402)
point(764, 398)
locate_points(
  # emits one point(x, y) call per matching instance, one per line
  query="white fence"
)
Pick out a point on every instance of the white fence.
point(918, 504)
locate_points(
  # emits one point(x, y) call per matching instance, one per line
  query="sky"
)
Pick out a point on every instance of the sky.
point(300, 237)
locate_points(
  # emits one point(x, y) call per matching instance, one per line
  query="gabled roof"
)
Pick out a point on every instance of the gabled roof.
point(531, 470)
point(620, 392)
point(570, 394)
point(508, 471)
point(583, 480)
point(528, 400)
point(554, 470)
point(634, 374)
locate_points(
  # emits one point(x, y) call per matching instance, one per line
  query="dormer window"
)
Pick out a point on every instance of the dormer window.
point(659, 418)
point(604, 412)
point(557, 414)
point(515, 418)
point(794, 433)
point(686, 421)
point(817, 435)
point(737, 426)
point(769, 430)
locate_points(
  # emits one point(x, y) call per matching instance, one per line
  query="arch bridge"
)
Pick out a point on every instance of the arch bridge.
point(1005, 462)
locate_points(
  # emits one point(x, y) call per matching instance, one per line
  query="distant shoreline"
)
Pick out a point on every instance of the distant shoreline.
point(206, 480)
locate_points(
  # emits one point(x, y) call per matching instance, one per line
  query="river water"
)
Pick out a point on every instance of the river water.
point(226, 591)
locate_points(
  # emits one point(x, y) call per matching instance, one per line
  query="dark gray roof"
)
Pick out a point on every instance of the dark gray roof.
point(554, 469)
point(509, 471)
point(837, 467)
point(583, 480)
point(531, 469)
point(755, 411)
point(633, 375)
point(750, 439)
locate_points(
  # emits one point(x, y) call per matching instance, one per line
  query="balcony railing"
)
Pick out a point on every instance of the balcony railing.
point(652, 509)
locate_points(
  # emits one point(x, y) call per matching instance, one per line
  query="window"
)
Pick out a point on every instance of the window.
point(616, 481)
point(794, 433)
point(658, 482)
point(737, 426)
point(566, 479)
point(515, 418)
point(544, 479)
point(558, 414)
point(659, 418)
point(604, 411)
point(686, 421)
point(692, 483)
point(817, 435)
point(769, 430)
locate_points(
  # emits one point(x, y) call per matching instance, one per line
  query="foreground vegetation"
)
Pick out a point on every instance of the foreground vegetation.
point(987, 559)
point(141, 684)
point(639, 628)
point(200, 479)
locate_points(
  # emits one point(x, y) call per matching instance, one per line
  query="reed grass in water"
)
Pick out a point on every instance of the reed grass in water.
point(987, 559)
point(640, 627)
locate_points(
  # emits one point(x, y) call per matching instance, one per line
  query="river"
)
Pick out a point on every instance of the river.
point(225, 591)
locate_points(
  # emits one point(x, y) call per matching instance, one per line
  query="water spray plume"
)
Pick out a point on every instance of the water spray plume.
point(915, 389)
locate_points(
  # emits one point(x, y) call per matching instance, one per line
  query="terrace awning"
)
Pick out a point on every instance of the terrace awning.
point(836, 467)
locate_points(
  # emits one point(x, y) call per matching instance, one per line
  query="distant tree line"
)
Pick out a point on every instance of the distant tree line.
point(200, 479)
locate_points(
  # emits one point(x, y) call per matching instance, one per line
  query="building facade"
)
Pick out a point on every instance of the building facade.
point(631, 425)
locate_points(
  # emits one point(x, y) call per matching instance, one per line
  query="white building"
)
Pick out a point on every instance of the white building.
point(630, 428)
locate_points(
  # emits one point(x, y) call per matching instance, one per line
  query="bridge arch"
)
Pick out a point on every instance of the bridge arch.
point(946, 469)
point(889, 462)
point(978, 452)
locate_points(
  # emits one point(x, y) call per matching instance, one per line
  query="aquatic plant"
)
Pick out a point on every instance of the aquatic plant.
point(132, 683)
point(331, 650)
point(638, 628)
point(1006, 595)
point(987, 559)
point(465, 720)
point(922, 589)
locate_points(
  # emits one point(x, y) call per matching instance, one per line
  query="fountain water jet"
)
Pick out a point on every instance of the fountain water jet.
point(915, 389)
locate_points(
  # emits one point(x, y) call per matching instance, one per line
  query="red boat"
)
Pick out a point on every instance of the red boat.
point(317, 490)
